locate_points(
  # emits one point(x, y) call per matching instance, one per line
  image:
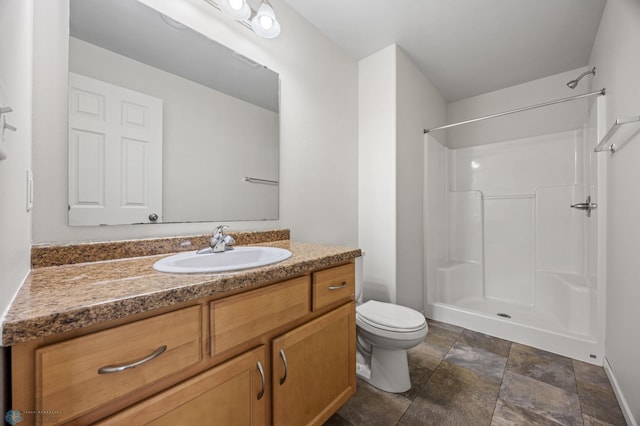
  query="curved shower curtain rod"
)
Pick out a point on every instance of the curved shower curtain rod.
point(557, 101)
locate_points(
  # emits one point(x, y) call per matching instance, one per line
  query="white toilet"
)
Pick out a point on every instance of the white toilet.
point(385, 331)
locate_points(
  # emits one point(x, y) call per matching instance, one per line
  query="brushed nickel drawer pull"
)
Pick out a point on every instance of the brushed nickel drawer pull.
point(338, 287)
point(117, 368)
point(284, 361)
point(261, 393)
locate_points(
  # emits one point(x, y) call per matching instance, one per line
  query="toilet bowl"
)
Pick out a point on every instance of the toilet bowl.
point(385, 332)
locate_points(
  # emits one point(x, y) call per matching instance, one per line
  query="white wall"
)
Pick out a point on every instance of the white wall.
point(397, 103)
point(419, 106)
point(210, 140)
point(615, 53)
point(551, 119)
point(318, 128)
point(16, 65)
point(377, 173)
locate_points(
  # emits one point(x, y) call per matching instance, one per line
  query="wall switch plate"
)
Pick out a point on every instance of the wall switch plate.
point(29, 190)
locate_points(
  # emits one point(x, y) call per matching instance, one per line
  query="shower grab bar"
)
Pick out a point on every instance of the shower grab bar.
point(614, 139)
point(513, 111)
point(508, 197)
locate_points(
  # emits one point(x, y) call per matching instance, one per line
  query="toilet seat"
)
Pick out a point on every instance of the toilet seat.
point(390, 317)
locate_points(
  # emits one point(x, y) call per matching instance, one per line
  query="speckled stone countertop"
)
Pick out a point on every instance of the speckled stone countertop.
point(58, 299)
point(62, 254)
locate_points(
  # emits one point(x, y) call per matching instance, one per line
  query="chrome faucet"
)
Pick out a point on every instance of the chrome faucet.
point(220, 242)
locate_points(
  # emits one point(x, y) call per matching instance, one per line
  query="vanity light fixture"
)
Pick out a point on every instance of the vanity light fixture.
point(262, 21)
point(236, 9)
point(265, 23)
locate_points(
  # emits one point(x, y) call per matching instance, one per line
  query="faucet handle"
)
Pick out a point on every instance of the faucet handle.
point(228, 240)
point(220, 241)
point(218, 232)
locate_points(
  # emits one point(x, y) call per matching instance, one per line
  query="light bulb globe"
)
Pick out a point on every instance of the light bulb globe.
point(236, 9)
point(265, 23)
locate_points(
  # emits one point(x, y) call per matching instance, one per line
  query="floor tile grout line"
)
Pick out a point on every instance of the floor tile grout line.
point(504, 372)
point(575, 378)
point(434, 371)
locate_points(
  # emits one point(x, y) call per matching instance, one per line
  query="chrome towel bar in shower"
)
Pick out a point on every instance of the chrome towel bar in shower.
point(258, 180)
point(615, 138)
point(5, 110)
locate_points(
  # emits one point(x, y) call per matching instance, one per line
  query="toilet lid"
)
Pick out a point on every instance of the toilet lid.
point(388, 316)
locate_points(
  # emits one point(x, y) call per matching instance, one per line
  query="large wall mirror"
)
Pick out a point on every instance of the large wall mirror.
point(165, 125)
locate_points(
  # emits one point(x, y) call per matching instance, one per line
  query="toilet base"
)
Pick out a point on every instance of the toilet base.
point(389, 370)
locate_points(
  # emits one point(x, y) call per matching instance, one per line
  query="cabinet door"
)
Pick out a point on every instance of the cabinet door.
point(314, 368)
point(230, 394)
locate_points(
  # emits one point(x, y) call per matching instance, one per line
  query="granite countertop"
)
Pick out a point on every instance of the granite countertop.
point(57, 299)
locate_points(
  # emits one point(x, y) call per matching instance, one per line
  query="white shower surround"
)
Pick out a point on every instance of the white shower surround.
point(501, 238)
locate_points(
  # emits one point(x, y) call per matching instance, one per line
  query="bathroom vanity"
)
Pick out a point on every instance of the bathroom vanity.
point(115, 342)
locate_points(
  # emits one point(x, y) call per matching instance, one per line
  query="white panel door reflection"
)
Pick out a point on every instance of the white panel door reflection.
point(115, 154)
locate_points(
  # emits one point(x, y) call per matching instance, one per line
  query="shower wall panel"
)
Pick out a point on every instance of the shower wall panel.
point(436, 239)
point(516, 167)
point(559, 229)
point(465, 226)
point(508, 245)
point(509, 212)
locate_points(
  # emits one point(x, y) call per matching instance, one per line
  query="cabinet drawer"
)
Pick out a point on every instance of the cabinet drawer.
point(230, 394)
point(240, 318)
point(333, 285)
point(67, 377)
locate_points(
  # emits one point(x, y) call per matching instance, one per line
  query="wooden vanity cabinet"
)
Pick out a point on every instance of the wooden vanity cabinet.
point(314, 368)
point(222, 361)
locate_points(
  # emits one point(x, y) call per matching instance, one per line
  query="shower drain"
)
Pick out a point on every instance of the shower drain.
point(503, 315)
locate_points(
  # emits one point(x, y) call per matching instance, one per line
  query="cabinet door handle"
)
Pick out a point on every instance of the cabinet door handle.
point(284, 361)
point(117, 368)
point(261, 393)
point(338, 287)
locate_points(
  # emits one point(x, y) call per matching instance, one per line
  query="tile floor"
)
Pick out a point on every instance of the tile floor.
point(461, 377)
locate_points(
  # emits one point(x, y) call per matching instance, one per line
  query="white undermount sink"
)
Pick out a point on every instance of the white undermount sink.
point(232, 260)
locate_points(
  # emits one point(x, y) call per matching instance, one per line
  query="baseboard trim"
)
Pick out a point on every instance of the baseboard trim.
point(626, 410)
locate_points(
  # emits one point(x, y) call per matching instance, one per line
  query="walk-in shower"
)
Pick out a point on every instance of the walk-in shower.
point(511, 233)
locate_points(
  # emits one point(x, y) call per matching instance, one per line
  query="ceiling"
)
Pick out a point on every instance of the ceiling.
point(465, 47)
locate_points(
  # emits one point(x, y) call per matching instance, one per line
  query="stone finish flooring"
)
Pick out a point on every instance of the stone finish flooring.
point(461, 377)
